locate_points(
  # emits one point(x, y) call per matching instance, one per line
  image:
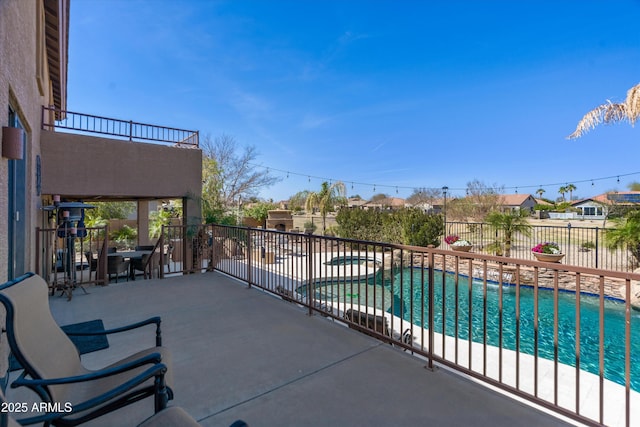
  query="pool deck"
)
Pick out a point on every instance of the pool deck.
point(241, 353)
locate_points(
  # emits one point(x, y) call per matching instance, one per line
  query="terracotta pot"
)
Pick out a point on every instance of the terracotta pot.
point(461, 248)
point(548, 257)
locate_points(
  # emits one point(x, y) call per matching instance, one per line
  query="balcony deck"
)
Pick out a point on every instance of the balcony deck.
point(241, 353)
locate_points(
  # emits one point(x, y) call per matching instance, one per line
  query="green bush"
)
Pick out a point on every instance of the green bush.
point(125, 236)
point(406, 226)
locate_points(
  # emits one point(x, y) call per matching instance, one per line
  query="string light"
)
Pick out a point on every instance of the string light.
point(288, 174)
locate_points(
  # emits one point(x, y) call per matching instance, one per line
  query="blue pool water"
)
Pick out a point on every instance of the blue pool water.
point(614, 321)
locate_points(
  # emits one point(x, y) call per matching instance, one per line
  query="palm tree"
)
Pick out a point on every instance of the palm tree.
point(570, 188)
point(611, 112)
point(540, 192)
point(562, 190)
point(626, 234)
point(326, 199)
point(509, 223)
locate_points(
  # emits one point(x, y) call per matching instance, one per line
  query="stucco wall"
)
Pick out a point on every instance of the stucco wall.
point(86, 166)
point(19, 89)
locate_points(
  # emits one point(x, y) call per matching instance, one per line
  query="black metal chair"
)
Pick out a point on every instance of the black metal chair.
point(52, 365)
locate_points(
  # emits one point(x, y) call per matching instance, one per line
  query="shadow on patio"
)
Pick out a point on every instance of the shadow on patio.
point(241, 353)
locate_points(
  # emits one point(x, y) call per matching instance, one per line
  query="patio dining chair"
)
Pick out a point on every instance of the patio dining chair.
point(53, 368)
point(117, 265)
point(148, 263)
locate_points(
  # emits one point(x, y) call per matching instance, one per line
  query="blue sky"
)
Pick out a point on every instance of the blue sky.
point(386, 96)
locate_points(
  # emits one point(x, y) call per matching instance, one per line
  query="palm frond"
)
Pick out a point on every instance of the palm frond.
point(611, 113)
point(605, 113)
point(632, 103)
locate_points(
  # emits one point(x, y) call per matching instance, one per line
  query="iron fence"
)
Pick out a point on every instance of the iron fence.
point(562, 336)
point(582, 246)
point(56, 119)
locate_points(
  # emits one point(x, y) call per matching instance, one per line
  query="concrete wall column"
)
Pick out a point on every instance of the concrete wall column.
point(143, 223)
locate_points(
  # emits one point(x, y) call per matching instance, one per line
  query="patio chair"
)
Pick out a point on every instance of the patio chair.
point(53, 368)
point(117, 265)
point(148, 263)
point(91, 261)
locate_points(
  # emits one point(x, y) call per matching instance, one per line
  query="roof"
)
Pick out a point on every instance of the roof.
point(514, 199)
point(57, 45)
point(617, 197)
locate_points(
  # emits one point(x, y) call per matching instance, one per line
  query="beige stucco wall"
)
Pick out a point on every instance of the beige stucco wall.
point(87, 167)
point(18, 88)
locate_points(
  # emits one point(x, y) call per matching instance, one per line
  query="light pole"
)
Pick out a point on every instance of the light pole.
point(444, 192)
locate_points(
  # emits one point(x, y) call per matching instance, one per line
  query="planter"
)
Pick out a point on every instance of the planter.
point(548, 257)
point(461, 248)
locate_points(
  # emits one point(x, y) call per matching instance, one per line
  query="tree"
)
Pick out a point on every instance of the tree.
point(611, 112)
point(378, 198)
point(297, 201)
point(626, 234)
point(424, 196)
point(540, 192)
point(326, 200)
point(634, 186)
point(109, 210)
point(570, 189)
point(157, 219)
point(562, 190)
point(479, 201)
point(231, 173)
point(419, 228)
point(509, 223)
point(260, 211)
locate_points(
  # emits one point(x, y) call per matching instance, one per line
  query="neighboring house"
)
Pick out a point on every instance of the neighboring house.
point(390, 203)
point(514, 202)
point(590, 209)
point(115, 165)
point(598, 207)
point(356, 203)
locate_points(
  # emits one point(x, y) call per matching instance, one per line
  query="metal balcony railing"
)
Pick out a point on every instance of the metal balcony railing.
point(56, 119)
point(561, 336)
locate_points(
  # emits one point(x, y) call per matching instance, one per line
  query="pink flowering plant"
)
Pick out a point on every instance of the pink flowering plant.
point(454, 240)
point(546, 248)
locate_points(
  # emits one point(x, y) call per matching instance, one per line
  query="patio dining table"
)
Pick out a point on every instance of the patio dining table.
point(131, 255)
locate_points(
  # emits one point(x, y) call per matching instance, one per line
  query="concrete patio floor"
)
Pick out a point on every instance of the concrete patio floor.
point(241, 353)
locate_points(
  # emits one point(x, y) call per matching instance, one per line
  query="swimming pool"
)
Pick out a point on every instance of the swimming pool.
point(385, 292)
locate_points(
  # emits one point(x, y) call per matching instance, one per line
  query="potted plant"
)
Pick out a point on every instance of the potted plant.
point(548, 252)
point(458, 244)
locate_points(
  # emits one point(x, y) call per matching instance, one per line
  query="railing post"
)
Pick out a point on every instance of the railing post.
point(130, 130)
point(569, 243)
point(310, 291)
point(249, 258)
point(161, 245)
point(597, 245)
point(38, 246)
point(431, 320)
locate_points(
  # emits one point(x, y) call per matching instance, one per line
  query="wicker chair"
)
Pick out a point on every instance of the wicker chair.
point(117, 265)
